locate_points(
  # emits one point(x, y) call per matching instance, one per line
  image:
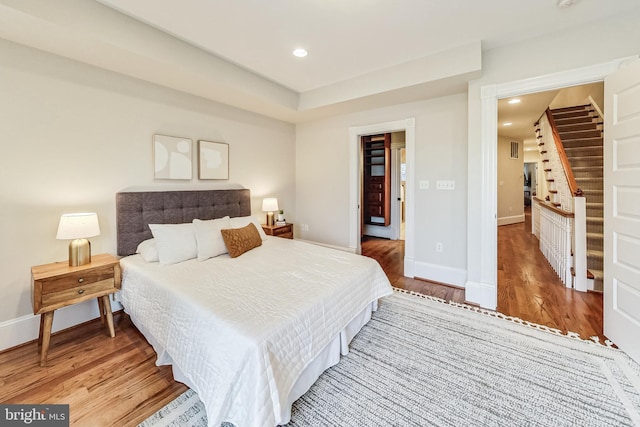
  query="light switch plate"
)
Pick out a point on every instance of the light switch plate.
point(446, 185)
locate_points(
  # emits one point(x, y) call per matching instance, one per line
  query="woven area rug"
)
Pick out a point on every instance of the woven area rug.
point(422, 361)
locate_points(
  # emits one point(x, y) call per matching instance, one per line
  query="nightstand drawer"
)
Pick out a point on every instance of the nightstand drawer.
point(76, 280)
point(285, 229)
point(79, 293)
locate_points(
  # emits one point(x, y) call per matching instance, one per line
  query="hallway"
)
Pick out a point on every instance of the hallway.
point(528, 287)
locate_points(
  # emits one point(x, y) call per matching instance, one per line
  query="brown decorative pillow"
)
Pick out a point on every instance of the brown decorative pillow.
point(241, 240)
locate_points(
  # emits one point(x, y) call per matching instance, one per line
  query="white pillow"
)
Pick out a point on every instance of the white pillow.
point(209, 238)
point(148, 249)
point(176, 242)
point(242, 221)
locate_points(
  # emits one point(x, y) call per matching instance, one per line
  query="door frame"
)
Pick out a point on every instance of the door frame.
point(396, 220)
point(485, 293)
point(355, 183)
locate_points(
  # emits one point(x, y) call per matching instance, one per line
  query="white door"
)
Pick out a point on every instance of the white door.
point(622, 209)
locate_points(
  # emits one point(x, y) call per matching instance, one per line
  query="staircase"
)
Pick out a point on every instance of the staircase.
point(580, 129)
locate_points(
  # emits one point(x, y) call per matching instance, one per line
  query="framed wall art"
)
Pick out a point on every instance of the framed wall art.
point(213, 160)
point(172, 157)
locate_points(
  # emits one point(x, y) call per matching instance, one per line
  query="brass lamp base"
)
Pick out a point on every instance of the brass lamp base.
point(270, 220)
point(79, 252)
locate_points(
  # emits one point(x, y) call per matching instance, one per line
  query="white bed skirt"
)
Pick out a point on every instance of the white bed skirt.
point(327, 358)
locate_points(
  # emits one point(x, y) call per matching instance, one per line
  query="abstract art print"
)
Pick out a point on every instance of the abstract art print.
point(172, 157)
point(213, 160)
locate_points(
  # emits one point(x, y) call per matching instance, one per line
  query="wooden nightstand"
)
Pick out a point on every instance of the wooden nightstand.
point(58, 285)
point(285, 231)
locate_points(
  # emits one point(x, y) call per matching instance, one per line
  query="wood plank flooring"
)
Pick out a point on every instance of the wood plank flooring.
point(106, 381)
point(528, 287)
point(114, 381)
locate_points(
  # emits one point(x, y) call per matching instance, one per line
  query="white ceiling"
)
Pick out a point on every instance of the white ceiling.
point(350, 38)
point(363, 54)
point(523, 115)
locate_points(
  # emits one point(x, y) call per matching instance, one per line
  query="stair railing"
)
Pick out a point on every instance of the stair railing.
point(571, 180)
point(556, 231)
point(555, 228)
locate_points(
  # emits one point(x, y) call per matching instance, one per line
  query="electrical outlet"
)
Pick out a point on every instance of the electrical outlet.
point(446, 185)
point(439, 247)
point(304, 227)
point(424, 184)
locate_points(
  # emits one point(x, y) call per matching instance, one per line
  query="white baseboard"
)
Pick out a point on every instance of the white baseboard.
point(326, 245)
point(440, 273)
point(377, 231)
point(26, 328)
point(506, 220)
point(409, 267)
point(483, 294)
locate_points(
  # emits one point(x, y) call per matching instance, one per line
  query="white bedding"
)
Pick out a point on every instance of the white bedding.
point(242, 330)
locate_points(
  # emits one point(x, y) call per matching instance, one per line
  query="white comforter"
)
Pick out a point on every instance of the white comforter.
point(242, 330)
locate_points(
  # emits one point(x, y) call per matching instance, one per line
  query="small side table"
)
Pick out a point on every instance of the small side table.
point(284, 231)
point(58, 285)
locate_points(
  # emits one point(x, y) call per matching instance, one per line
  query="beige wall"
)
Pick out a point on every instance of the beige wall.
point(73, 135)
point(578, 95)
point(322, 177)
point(510, 183)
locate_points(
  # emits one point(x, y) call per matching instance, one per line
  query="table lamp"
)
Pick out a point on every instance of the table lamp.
point(270, 205)
point(78, 226)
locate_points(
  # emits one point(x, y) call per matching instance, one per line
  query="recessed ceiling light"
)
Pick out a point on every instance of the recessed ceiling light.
point(566, 3)
point(514, 101)
point(507, 124)
point(300, 52)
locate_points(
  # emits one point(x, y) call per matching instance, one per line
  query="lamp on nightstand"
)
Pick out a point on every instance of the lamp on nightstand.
point(78, 226)
point(269, 206)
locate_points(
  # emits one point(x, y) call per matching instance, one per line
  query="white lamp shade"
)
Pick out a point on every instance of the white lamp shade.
point(78, 226)
point(270, 204)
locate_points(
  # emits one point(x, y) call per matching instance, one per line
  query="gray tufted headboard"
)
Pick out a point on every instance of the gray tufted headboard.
point(136, 210)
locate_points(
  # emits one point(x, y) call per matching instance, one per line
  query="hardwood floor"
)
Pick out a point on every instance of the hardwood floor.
point(114, 381)
point(106, 381)
point(528, 287)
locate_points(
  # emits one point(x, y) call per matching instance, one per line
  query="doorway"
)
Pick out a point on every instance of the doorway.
point(482, 228)
point(522, 269)
point(355, 184)
point(530, 184)
point(384, 185)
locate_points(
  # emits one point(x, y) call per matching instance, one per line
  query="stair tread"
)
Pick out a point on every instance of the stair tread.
point(590, 178)
point(583, 139)
point(595, 219)
point(597, 274)
point(572, 108)
point(581, 168)
point(595, 253)
point(590, 275)
point(595, 235)
point(586, 157)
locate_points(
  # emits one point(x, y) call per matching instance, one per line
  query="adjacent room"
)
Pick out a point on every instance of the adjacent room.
point(320, 213)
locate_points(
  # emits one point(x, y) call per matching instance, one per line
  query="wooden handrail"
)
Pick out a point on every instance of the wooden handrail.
point(552, 208)
point(571, 180)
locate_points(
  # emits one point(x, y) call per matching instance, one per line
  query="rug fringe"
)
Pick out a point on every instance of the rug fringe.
point(573, 335)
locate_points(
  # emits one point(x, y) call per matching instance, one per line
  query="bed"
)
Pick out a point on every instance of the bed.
point(249, 334)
